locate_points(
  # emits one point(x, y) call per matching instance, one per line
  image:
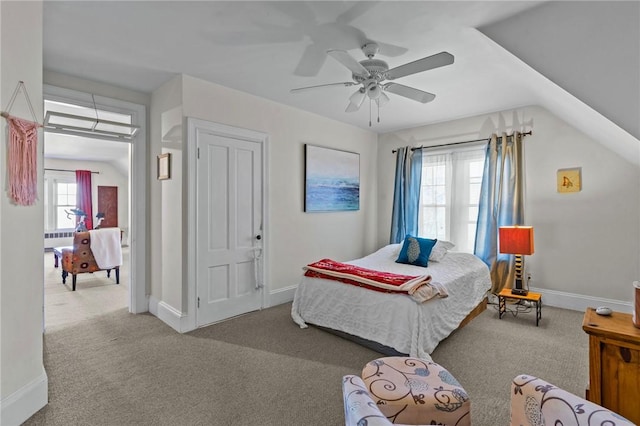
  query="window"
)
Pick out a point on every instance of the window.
point(60, 195)
point(65, 200)
point(449, 196)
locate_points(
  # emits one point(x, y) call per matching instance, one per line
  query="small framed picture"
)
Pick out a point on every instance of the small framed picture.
point(569, 180)
point(164, 166)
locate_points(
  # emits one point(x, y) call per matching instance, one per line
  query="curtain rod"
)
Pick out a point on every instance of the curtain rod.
point(65, 170)
point(459, 143)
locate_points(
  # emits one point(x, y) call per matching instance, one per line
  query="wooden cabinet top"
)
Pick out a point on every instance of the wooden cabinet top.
point(616, 326)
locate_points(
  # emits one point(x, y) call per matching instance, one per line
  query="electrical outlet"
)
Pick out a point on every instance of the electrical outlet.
point(528, 276)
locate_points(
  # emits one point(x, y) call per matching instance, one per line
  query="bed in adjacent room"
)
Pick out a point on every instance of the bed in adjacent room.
point(396, 321)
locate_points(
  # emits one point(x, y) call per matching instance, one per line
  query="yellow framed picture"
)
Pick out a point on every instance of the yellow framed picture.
point(569, 180)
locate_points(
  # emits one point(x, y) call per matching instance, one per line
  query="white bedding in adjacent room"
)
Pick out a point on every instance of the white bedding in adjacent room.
point(395, 320)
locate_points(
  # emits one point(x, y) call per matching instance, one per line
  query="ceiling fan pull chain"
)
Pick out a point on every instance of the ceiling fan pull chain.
point(378, 103)
point(369, 112)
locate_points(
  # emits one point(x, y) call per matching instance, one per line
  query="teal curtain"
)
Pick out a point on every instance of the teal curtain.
point(406, 193)
point(501, 204)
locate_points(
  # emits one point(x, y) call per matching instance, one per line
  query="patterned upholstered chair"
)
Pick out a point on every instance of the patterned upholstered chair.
point(415, 391)
point(359, 407)
point(536, 402)
point(79, 259)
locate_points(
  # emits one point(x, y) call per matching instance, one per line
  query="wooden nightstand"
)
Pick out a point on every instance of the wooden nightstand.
point(531, 297)
point(614, 362)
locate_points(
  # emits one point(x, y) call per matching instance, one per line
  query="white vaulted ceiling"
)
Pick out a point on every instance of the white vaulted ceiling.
point(258, 48)
point(266, 48)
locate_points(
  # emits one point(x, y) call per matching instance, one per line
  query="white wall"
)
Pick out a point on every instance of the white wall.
point(586, 243)
point(294, 238)
point(589, 48)
point(166, 196)
point(23, 381)
point(107, 176)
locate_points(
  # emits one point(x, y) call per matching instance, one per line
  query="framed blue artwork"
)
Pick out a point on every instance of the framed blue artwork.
point(332, 179)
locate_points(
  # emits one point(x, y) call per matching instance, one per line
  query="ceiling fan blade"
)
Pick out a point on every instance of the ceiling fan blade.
point(409, 92)
point(391, 50)
point(360, 8)
point(264, 33)
point(302, 89)
point(311, 62)
point(430, 62)
point(347, 60)
point(355, 101)
point(299, 11)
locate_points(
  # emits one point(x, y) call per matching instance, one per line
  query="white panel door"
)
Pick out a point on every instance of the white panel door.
point(229, 221)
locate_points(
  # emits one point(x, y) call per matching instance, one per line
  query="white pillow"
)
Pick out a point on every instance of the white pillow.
point(440, 250)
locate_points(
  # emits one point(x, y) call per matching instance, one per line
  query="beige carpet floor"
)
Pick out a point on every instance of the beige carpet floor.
point(262, 369)
point(95, 294)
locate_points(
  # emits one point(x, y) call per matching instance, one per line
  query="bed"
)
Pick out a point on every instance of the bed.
point(394, 320)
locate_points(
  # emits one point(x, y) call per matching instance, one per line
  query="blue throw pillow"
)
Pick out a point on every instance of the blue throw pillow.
point(416, 251)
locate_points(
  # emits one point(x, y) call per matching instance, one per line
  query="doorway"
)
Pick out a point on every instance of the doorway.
point(132, 164)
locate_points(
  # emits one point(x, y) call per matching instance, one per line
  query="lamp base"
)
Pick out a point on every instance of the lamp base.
point(518, 287)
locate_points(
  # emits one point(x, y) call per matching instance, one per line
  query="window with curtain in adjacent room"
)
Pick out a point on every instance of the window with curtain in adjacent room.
point(60, 195)
point(450, 192)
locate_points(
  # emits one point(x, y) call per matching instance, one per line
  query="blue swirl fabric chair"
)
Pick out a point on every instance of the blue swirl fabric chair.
point(413, 391)
point(359, 408)
point(537, 402)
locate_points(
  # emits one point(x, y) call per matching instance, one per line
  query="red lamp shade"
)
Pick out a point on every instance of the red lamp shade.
point(516, 239)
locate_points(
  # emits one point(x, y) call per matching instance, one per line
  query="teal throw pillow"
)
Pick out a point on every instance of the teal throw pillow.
point(416, 251)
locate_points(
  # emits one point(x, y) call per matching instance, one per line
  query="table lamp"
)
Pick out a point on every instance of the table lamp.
point(517, 240)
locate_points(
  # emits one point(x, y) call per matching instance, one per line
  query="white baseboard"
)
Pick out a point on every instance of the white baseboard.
point(169, 315)
point(181, 323)
point(25, 402)
point(280, 296)
point(579, 302)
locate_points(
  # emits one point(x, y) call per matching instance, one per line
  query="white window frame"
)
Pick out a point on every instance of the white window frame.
point(51, 196)
point(457, 205)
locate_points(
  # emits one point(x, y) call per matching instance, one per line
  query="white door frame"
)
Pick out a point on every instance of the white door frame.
point(194, 126)
point(138, 300)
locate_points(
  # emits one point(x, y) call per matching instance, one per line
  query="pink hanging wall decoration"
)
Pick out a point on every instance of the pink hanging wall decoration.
point(22, 161)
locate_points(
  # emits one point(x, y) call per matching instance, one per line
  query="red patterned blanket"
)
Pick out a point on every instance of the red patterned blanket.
point(420, 287)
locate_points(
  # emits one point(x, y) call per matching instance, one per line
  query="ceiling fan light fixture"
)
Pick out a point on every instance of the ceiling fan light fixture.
point(383, 99)
point(374, 91)
point(356, 100)
point(374, 77)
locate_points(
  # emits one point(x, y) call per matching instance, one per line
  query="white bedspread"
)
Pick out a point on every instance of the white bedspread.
point(105, 245)
point(395, 320)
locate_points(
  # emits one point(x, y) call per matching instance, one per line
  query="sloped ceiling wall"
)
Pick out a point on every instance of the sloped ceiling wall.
point(590, 49)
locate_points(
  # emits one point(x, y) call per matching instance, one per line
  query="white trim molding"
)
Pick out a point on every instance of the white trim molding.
point(281, 295)
point(138, 301)
point(169, 315)
point(25, 402)
point(579, 302)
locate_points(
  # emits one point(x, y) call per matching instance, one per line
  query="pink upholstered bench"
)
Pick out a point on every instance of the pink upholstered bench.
point(414, 391)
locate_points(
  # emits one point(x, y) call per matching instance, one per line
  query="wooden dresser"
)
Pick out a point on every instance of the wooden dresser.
point(614, 363)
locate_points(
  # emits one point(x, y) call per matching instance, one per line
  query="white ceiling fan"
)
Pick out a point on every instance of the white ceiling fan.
point(371, 75)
